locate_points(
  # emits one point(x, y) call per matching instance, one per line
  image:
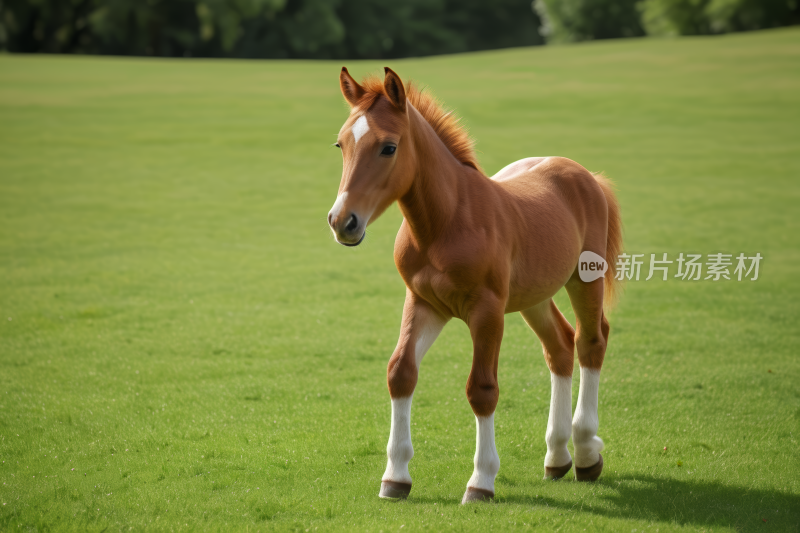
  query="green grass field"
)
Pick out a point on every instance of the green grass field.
point(183, 346)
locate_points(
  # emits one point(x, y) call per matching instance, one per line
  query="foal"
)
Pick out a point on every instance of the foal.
point(475, 248)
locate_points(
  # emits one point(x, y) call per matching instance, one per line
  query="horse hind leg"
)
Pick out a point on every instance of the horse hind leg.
point(591, 340)
point(557, 338)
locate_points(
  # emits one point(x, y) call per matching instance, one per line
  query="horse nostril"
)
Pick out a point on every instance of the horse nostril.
point(352, 224)
point(330, 219)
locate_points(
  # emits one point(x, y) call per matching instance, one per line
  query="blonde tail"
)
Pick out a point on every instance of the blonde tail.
point(612, 285)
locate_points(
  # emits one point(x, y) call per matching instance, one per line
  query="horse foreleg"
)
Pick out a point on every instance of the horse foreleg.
point(483, 392)
point(420, 327)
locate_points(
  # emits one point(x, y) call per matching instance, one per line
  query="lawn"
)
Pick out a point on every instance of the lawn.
point(183, 346)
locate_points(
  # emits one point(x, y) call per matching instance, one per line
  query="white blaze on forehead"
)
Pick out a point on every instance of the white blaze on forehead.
point(360, 127)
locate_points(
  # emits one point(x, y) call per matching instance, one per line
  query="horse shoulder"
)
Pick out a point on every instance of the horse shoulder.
point(408, 258)
point(414, 264)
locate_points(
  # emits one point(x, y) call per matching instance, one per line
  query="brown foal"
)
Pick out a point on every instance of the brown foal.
point(475, 248)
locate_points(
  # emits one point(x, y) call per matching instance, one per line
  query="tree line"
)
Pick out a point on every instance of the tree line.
point(359, 29)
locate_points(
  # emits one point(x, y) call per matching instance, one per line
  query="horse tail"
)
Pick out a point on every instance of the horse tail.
point(612, 285)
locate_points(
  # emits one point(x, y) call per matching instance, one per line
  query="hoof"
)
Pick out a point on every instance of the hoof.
point(590, 473)
point(557, 472)
point(477, 495)
point(394, 490)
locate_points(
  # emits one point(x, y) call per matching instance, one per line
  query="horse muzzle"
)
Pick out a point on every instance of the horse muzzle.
point(348, 228)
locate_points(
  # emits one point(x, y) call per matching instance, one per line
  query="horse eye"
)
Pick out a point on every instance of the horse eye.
point(337, 145)
point(389, 150)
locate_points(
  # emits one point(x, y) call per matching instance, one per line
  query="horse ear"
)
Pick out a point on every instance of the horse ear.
point(393, 86)
point(351, 90)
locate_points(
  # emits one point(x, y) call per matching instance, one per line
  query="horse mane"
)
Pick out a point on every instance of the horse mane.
point(446, 124)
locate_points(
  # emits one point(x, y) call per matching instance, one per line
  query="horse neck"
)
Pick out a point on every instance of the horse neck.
point(431, 203)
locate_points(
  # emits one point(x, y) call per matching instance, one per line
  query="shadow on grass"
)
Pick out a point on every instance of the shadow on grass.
point(683, 502)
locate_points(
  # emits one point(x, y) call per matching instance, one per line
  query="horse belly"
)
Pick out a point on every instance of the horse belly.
point(526, 290)
point(545, 259)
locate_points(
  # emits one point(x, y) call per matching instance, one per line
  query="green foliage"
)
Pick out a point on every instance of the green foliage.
point(584, 20)
point(674, 17)
point(697, 17)
point(46, 25)
point(266, 28)
point(351, 29)
point(189, 349)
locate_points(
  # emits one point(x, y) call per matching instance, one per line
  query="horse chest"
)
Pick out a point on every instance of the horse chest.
point(443, 281)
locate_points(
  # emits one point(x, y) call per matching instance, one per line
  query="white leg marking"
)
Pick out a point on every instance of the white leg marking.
point(558, 425)
point(429, 333)
point(487, 462)
point(400, 451)
point(360, 127)
point(584, 426)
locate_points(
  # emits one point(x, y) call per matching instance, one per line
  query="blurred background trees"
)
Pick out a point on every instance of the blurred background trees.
point(697, 17)
point(325, 29)
point(319, 29)
point(584, 20)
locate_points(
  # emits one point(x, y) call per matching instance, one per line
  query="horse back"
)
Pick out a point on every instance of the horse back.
point(546, 189)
